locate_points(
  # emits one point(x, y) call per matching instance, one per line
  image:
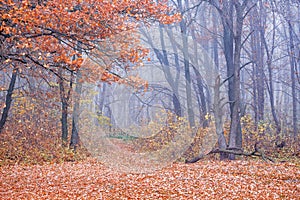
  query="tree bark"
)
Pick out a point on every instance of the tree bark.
point(203, 108)
point(293, 79)
point(64, 114)
point(235, 135)
point(187, 74)
point(8, 99)
point(75, 118)
point(269, 53)
point(64, 97)
point(218, 114)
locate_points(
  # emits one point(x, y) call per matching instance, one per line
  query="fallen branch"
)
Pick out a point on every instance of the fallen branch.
point(256, 153)
point(237, 152)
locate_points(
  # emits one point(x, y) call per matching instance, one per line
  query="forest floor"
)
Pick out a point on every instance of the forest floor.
point(207, 179)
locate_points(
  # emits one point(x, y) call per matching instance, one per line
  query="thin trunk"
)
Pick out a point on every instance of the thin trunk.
point(163, 59)
point(176, 100)
point(102, 98)
point(200, 85)
point(260, 63)
point(8, 99)
point(215, 41)
point(257, 25)
point(293, 67)
point(253, 39)
point(173, 81)
point(254, 86)
point(293, 79)
point(203, 109)
point(64, 114)
point(270, 52)
point(187, 74)
point(177, 106)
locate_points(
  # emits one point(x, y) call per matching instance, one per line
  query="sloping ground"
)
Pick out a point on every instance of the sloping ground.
point(203, 180)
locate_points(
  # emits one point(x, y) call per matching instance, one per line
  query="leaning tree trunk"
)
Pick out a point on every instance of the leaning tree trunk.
point(187, 74)
point(162, 56)
point(8, 99)
point(200, 84)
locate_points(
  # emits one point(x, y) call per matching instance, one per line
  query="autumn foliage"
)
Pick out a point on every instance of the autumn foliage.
point(44, 43)
point(46, 33)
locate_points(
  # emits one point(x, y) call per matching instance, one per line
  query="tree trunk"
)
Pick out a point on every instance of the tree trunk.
point(200, 84)
point(102, 99)
point(75, 118)
point(8, 99)
point(269, 53)
point(218, 114)
point(162, 56)
point(64, 97)
point(64, 113)
point(232, 41)
point(293, 79)
point(202, 105)
point(187, 74)
point(228, 40)
point(235, 134)
point(257, 24)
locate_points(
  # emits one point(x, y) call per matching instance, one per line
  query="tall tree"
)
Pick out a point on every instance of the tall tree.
point(258, 23)
point(293, 66)
point(270, 48)
point(232, 14)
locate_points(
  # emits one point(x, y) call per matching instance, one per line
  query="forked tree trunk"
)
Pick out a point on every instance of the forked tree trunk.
point(235, 135)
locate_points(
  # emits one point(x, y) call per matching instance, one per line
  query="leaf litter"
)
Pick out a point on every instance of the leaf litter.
point(208, 179)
